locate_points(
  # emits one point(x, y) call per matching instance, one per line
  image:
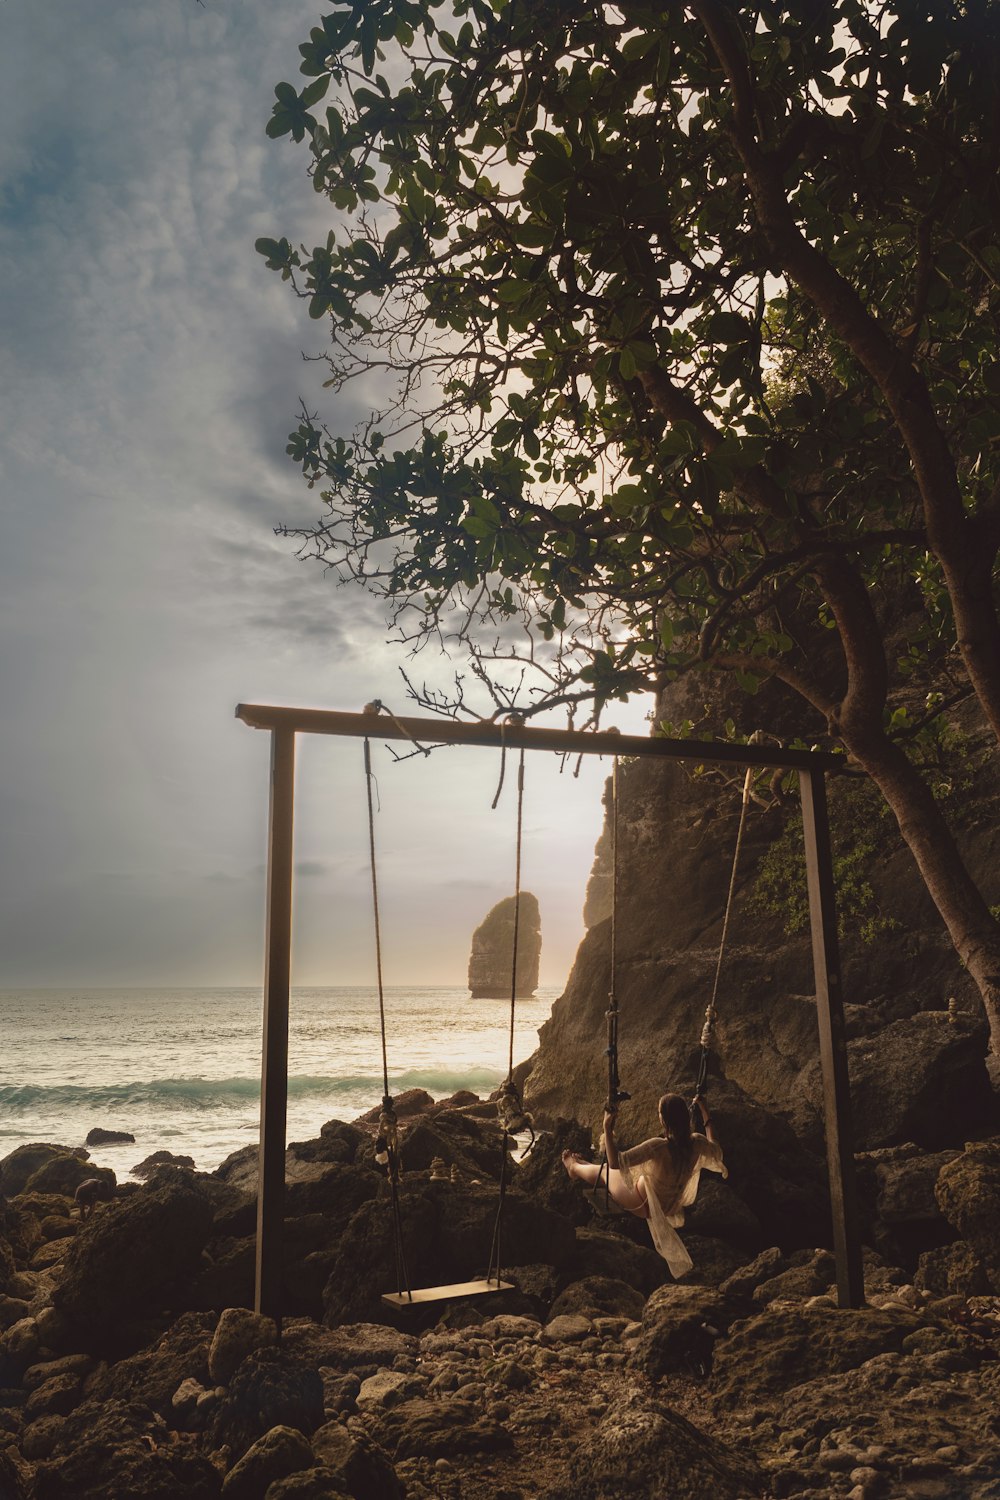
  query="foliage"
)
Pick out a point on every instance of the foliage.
point(859, 831)
point(607, 409)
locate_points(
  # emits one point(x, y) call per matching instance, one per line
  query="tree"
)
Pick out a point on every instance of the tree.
point(681, 324)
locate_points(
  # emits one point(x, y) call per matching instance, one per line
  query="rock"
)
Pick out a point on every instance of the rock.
point(921, 1079)
point(641, 1447)
point(765, 1356)
point(41, 1439)
point(126, 1255)
point(12, 1310)
point(64, 1174)
point(440, 1429)
point(69, 1364)
point(280, 1452)
point(714, 1260)
point(544, 1179)
point(319, 1483)
point(120, 1451)
point(153, 1375)
point(57, 1227)
point(270, 1389)
point(55, 1397)
point(184, 1401)
point(24, 1161)
point(447, 1233)
point(568, 1328)
point(493, 948)
point(896, 1194)
point(237, 1334)
point(720, 1213)
point(473, 1146)
point(100, 1137)
point(968, 1193)
point(356, 1463)
point(746, 1278)
point(338, 1142)
point(149, 1164)
point(680, 1325)
point(389, 1388)
point(952, 1270)
point(340, 1392)
point(408, 1105)
point(13, 1485)
point(349, 1346)
point(597, 1296)
point(805, 1277)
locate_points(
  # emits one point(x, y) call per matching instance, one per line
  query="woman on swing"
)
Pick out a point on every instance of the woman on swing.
point(659, 1179)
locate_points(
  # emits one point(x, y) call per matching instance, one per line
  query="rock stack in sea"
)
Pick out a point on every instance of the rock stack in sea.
point(492, 953)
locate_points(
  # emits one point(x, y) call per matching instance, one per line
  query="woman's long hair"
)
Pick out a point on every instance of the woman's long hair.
point(676, 1118)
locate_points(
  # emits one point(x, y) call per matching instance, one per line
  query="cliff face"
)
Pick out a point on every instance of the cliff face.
point(916, 1075)
point(493, 948)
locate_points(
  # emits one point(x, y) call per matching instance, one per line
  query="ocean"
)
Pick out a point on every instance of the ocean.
point(180, 1068)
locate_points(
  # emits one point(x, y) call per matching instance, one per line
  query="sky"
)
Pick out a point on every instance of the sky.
point(151, 368)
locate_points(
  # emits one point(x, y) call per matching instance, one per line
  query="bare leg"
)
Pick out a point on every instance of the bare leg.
point(632, 1199)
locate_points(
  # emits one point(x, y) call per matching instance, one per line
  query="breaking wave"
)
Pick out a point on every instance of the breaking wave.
point(233, 1093)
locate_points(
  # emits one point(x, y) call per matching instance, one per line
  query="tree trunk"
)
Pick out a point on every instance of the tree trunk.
point(974, 932)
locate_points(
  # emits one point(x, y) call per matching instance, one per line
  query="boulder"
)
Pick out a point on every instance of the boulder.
point(439, 1429)
point(680, 1325)
point(923, 1078)
point(602, 1252)
point(154, 1374)
point(98, 1136)
point(359, 1465)
point(237, 1334)
point(953, 1270)
point(764, 1357)
point(447, 1234)
point(543, 1177)
point(408, 1105)
point(338, 1142)
point(280, 1452)
point(720, 1213)
point(120, 1450)
point(24, 1161)
point(127, 1255)
point(968, 1194)
point(473, 1146)
point(493, 949)
point(599, 1296)
point(64, 1174)
point(348, 1346)
point(900, 1214)
point(640, 1447)
point(156, 1159)
point(319, 1483)
point(270, 1389)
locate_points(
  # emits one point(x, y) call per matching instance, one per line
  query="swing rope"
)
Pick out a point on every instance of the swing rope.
point(616, 1094)
point(510, 1109)
point(711, 1010)
point(388, 1125)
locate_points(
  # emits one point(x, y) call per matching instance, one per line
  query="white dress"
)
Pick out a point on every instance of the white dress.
point(669, 1191)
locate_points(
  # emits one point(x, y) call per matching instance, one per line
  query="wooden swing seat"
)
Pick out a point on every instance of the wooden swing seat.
point(457, 1289)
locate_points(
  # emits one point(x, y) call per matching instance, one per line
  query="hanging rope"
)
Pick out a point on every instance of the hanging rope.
point(616, 1094)
point(711, 1010)
point(387, 1144)
point(510, 1108)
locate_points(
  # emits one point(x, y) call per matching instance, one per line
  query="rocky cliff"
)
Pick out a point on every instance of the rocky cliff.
point(917, 1035)
point(493, 947)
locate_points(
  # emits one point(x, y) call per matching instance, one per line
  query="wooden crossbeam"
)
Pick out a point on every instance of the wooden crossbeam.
point(457, 1289)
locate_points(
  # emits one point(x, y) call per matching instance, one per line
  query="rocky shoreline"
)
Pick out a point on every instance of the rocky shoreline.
point(130, 1365)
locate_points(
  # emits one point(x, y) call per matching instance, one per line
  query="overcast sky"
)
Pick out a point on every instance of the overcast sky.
point(151, 367)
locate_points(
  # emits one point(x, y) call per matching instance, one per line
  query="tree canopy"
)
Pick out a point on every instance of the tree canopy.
point(679, 327)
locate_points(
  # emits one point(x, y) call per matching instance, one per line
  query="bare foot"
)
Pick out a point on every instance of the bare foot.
point(569, 1161)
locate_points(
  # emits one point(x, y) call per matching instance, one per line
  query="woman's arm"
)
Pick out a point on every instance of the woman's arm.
point(610, 1144)
point(706, 1118)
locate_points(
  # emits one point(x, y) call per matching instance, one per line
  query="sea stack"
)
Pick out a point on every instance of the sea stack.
point(493, 948)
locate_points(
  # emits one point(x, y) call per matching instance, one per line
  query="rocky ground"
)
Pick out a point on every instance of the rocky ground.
point(129, 1365)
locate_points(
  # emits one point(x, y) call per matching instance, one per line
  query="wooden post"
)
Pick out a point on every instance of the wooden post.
point(274, 1065)
point(832, 1040)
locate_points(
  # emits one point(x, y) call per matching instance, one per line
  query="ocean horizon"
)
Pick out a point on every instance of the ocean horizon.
point(179, 1068)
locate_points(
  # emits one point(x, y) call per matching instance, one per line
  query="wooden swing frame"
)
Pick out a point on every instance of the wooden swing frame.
point(813, 766)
